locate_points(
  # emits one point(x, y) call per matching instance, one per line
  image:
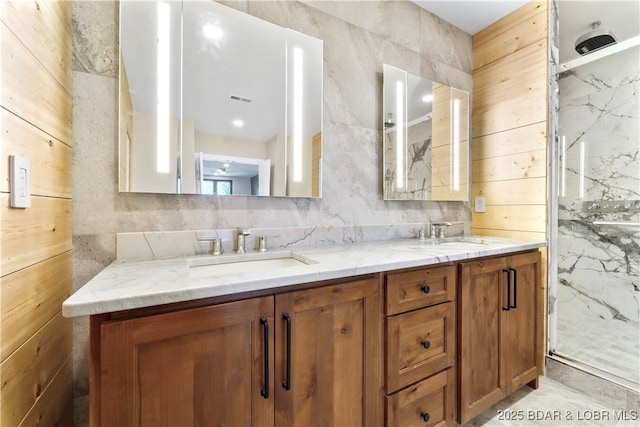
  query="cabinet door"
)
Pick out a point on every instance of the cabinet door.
point(481, 297)
point(196, 367)
point(334, 356)
point(523, 322)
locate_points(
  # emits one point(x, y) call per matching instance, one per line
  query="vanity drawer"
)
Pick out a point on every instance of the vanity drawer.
point(408, 290)
point(419, 343)
point(431, 400)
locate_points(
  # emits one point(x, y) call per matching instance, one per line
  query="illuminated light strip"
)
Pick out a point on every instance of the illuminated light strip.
point(563, 168)
point(400, 135)
point(582, 168)
point(456, 145)
point(163, 124)
point(297, 113)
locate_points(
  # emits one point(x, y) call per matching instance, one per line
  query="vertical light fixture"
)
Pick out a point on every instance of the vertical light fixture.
point(297, 113)
point(399, 134)
point(563, 166)
point(582, 168)
point(456, 145)
point(163, 124)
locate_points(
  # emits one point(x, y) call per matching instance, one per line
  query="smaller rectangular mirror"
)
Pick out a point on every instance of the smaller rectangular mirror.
point(425, 139)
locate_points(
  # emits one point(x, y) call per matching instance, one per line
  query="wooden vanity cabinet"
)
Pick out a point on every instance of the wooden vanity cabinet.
point(194, 367)
point(335, 355)
point(500, 329)
point(308, 357)
point(420, 331)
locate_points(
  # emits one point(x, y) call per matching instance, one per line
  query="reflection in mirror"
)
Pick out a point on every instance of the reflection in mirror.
point(248, 95)
point(426, 138)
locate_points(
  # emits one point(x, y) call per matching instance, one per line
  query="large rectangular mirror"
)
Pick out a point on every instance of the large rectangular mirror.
point(425, 139)
point(216, 101)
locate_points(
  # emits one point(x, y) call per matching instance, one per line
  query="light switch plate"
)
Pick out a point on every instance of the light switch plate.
point(480, 204)
point(20, 170)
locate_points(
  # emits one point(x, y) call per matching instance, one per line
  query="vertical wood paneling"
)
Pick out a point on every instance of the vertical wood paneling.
point(440, 150)
point(29, 20)
point(31, 297)
point(50, 158)
point(519, 140)
point(54, 408)
point(35, 266)
point(34, 234)
point(28, 371)
point(510, 99)
point(34, 95)
point(522, 28)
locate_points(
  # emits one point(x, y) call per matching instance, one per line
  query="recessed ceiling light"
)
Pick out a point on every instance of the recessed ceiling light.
point(238, 123)
point(226, 165)
point(212, 32)
point(427, 98)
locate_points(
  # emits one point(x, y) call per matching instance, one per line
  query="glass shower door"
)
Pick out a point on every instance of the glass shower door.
point(597, 286)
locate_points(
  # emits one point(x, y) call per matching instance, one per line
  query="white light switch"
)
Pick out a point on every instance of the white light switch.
point(480, 204)
point(20, 169)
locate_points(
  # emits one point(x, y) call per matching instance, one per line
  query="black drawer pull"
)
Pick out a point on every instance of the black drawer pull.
point(286, 384)
point(265, 393)
point(515, 288)
point(426, 344)
point(426, 289)
point(425, 417)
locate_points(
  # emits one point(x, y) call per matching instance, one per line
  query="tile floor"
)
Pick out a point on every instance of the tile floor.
point(607, 344)
point(554, 404)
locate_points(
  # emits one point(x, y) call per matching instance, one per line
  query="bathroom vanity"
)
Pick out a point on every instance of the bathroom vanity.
point(394, 333)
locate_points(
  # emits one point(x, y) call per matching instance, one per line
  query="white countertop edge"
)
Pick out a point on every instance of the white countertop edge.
point(120, 286)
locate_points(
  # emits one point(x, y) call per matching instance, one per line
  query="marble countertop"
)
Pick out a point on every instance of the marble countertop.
point(128, 284)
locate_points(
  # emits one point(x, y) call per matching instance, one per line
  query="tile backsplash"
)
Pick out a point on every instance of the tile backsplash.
point(169, 244)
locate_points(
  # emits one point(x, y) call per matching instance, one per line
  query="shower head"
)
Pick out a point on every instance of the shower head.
point(595, 39)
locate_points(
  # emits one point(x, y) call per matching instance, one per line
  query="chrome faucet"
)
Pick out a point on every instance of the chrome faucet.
point(242, 233)
point(437, 229)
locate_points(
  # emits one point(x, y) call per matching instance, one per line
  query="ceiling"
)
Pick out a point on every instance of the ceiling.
point(576, 16)
point(470, 15)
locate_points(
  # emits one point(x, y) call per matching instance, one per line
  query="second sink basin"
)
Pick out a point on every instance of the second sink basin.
point(242, 263)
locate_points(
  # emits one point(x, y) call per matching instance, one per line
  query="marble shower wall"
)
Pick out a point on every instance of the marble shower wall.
point(358, 38)
point(599, 191)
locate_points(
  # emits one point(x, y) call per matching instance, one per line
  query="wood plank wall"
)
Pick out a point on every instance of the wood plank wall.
point(35, 250)
point(509, 162)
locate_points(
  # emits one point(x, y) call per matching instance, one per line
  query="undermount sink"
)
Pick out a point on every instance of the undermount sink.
point(453, 241)
point(242, 263)
point(462, 241)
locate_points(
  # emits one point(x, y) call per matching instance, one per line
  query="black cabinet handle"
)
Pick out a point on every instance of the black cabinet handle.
point(286, 384)
point(508, 306)
point(426, 289)
point(265, 393)
point(426, 344)
point(425, 417)
point(515, 288)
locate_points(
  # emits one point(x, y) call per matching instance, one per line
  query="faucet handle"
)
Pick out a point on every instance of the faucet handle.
point(244, 231)
point(216, 244)
point(437, 229)
point(262, 244)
